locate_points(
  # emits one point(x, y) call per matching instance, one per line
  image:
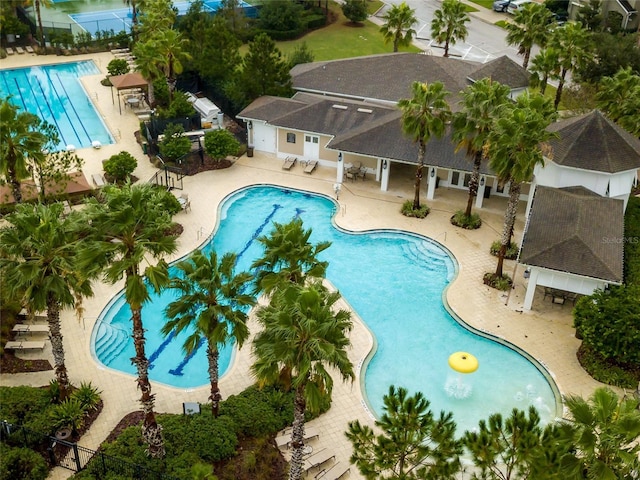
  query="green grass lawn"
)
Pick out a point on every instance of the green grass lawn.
point(342, 39)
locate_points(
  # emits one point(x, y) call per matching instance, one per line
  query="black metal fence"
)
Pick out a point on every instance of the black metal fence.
point(75, 457)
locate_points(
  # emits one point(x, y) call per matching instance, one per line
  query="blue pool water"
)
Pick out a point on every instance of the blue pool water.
point(54, 93)
point(393, 280)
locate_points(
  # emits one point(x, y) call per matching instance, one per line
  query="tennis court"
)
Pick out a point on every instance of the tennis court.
point(120, 19)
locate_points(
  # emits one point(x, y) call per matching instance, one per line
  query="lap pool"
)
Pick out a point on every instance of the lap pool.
point(54, 93)
point(392, 279)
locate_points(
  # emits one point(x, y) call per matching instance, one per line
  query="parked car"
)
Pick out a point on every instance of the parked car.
point(501, 5)
point(516, 5)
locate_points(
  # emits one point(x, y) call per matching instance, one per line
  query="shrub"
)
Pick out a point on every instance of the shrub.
point(174, 144)
point(120, 166)
point(21, 463)
point(632, 243)
point(355, 10)
point(220, 143)
point(459, 219)
point(55, 393)
point(20, 405)
point(605, 371)
point(502, 283)
point(180, 106)
point(68, 414)
point(408, 211)
point(88, 396)
point(608, 323)
point(118, 66)
point(512, 250)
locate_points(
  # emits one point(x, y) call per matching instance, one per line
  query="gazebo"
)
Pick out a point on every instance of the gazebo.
point(127, 81)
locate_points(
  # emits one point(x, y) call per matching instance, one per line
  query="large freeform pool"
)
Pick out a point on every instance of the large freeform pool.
point(393, 280)
point(54, 93)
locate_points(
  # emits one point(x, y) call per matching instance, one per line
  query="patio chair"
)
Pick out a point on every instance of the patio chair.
point(10, 51)
point(362, 173)
point(311, 166)
point(24, 328)
point(29, 49)
point(20, 50)
point(317, 459)
point(98, 180)
point(289, 162)
point(334, 472)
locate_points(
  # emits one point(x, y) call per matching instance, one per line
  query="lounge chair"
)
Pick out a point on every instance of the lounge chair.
point(20, 50)
point(311, 166)
point(29, 49)
point(284, 439)
point(24, 345)
point(98, 180)
point(317, 459)
point(10, 51)
point(25, 328)
point(289, 162)
point(334, 472)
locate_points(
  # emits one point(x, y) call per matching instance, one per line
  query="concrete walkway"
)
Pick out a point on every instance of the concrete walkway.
point(545, 332)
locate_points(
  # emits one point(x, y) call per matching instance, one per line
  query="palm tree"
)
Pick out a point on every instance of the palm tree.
point(604, 431)
point(302, 337)
point(516, 146)
point(619, 97)
point(545, 66)
point(423, 116)
point(413, 443)
point(129, 225)
point(20, 142)
point(38, 265)
point(531, 26)
point(172, 49)
point(571, 42)
point(37, 4)
point(288, 257)
point(473, 124)
point(212, 303)
point(448, 24)
point(397, 27)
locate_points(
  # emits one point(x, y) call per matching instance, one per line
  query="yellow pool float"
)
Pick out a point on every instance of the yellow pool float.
point(463, 362)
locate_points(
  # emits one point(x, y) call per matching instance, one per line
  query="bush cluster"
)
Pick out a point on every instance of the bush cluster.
point(408, 211)
point(512, 250)
point(120, 166)
point(472, 222)
point(632, 242)
point(21, 463)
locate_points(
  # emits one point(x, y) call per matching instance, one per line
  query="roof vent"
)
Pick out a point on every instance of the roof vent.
point(365, 110)
point(340, 107)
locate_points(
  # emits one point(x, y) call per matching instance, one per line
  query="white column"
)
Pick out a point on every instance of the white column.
point(481, 186)
point(340, 168)
point(431, 186)
point(531, 288)
point(384, 181)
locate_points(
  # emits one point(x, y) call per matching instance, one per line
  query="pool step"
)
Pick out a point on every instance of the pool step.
point(110, 343)
point(424, 256)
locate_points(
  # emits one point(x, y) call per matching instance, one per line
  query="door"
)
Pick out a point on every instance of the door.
point(311, 147)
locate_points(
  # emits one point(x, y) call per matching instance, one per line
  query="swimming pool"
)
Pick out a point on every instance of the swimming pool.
point(393, 280)
point(54, 93)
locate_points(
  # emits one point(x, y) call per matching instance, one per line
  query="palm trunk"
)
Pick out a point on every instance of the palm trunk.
point(416, 196)
point(151, 431)
point(563, 74)
point(57, 346)
point(446, 49)
point(473, 183)
point(543, 87)
point(509, 222)
point(297, 435)
point(212, 357)
point(40, 28)
point(527, 55)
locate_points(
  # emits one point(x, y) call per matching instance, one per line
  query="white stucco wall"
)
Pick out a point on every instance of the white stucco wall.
point(264, 138)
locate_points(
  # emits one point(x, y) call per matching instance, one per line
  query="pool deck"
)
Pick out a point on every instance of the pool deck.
point(544, 332)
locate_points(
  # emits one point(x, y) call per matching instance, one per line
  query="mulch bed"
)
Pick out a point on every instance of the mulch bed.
point(9, 363)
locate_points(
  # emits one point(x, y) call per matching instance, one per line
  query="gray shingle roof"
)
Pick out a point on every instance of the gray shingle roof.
point(503, 70)
point(593, 142)
point(575, 230)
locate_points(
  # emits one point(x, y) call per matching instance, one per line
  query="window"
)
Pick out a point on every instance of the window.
point(291, 138)
point(455, 178)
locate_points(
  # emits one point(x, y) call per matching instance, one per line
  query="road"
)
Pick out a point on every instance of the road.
point(484, 42)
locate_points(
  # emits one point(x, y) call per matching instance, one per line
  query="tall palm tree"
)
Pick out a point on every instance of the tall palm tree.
point(516, 146)
point(399, 20)
point(619, 97)
point(423, 116)
point(571, 42)
point(210, 302)
point(288, 257)
point(131, 225)
point(20, 142)
point(37, 4)
point(449, 24)
point(39, 267)
point(172, 50)
point(605, 431)
point(303, 335)
point(531, 26)
point(545, 66)
point(472, 125)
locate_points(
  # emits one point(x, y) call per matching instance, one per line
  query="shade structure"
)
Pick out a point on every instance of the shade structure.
point(463, 362)
point(127, 81)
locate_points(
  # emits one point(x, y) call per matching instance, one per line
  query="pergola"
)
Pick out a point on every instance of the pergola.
point(127, 81)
